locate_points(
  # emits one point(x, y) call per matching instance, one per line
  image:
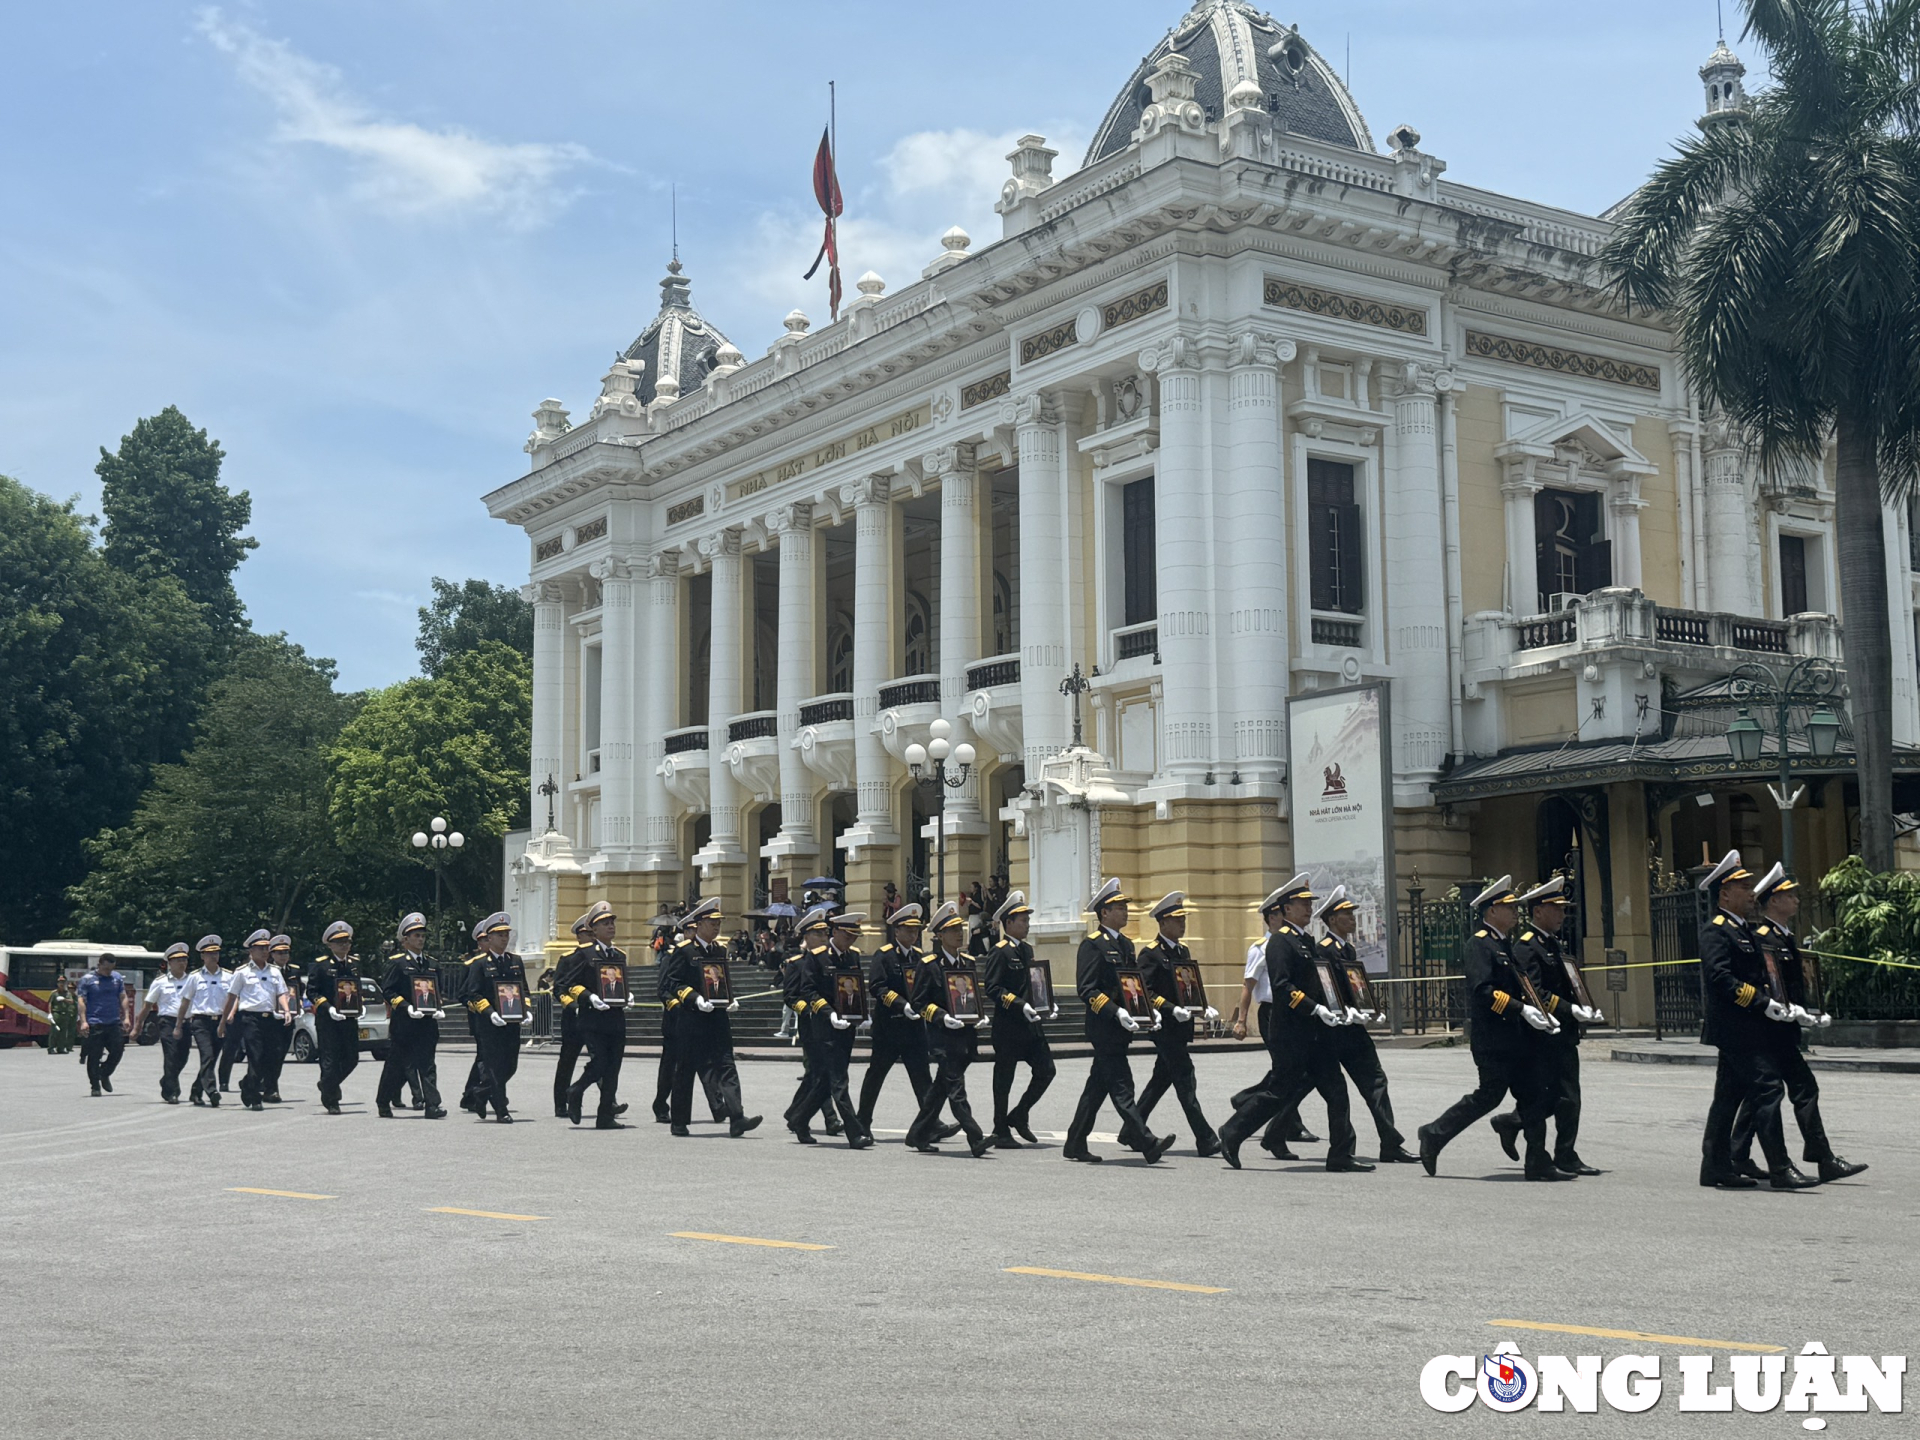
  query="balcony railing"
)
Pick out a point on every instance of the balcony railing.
point(914, 690)
point(1345, 634)
point(827, 709)
point(1134, 641)
point(763, 725)
point(680, 742)
point(1606, 617)
point(1545, 630)
point(1001, 670)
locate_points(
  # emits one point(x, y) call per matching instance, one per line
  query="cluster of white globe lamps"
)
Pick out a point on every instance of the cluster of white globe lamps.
point(937, 749)
point(440, 839)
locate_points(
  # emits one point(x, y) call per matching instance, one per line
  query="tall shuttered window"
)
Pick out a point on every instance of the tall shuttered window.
point(1571, 550)
point(1334, 538)
point(1137, 552)
point(1793, 575)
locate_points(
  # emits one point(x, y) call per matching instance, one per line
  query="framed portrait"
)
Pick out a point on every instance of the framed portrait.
point(849, 994)
point(1040, 985)
point(346, 996)
point(1336, 997)
point(1776, 977)
point(963, 996)
point(1189, 991)
point(1811, 976)
point(426, 993)
point(716, 983)
point(1135, 998)
point(510, 1001)
point(1577, 978)
point(1358, 987)
point(613, 984)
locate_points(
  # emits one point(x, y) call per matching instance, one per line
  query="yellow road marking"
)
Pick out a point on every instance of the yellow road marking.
point(483, 1214)
point(284, 1194)
point(1116, 1280)
point(1639, 1335)
point(747, 1240)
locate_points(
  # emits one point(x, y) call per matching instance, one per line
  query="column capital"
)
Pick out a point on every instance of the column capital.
point(1416, 381)
point(959, 458)
point(610, 567)
point(723, 542)
point(869, 490)
point(1261, 349)
point(544, 592)
point(665, 565)
point(789, 519)
point(1176, 352)
point(1037, 408)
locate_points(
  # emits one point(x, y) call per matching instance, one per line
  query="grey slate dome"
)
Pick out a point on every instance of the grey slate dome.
point(679, 345)
point(1230, 43)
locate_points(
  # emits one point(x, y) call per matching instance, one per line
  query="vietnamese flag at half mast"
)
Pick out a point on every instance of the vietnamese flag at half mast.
point(826, 190)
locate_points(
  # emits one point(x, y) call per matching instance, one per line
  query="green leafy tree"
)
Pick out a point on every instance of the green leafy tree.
point(236, 835)
point(456, 745)
point(1875, 918)
point(463, 617)
point(95, 687)
point(168, 514)
point(1785, 246)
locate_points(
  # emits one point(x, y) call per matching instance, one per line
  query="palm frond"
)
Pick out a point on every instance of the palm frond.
point(1641, 256)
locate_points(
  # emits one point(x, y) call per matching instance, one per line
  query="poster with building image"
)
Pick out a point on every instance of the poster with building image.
point(1341, 810)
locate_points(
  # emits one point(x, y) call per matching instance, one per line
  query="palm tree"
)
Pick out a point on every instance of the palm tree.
point(1784, 245)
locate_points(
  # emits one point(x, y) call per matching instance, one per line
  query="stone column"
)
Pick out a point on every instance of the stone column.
point(1183, 525)
point(1416, 588)
point(1625, 503)
point(796, 848)
point(1044, 642)
point(872, 843)
point(618, 800)
point(1729, 517)
point(1523, 571)
point(965, 827)
point(723, 861)
point(658, 712)
point(549, 695)
point(1252, 539)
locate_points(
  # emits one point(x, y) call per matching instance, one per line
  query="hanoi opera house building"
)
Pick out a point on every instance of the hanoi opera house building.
point(1242, 408)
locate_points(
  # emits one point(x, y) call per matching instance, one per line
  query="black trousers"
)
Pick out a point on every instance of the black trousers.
point(473, 1095)
point(203, 1032)
point(706, 1051)
point(1748, 1078)
point(902, 1043)
point(1307, 1065)
point(1109, 1078)
point(232, 1047)
point(949, 1088)
point(260, 1042)
point(1009, 1053)
point(825, 1083)
point(338, 1042)
point(570, 1045)
point(173, 1058)
point(1560, 1067)
point(606, 1049)
point(411, 1049)
point(1520, 1072)
point(102, 1048)
point(1358, 1056)
point(1173, 1070)
point(282, 1038)
point(1286, 1125)
point(499, 1057)
point(1803, 1093)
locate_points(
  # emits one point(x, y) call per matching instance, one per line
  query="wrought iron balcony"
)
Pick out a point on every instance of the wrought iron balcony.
point(1001, 670)
point(679, 742)
point(761, 726)
point(914, 690)
point(827, 709)
point(1344, 634)
point(1136, 641)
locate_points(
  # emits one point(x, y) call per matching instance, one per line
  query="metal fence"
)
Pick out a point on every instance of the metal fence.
point(1676, 986)
point(1433, 936)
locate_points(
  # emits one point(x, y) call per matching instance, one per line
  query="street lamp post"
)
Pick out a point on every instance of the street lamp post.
point(1813, 681)
point(437, 839)
point(928, 766)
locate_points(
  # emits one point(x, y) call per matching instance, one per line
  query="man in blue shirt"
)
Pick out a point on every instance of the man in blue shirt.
point(104, 1006)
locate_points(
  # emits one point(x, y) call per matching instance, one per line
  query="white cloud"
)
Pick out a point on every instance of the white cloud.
point(400, 168)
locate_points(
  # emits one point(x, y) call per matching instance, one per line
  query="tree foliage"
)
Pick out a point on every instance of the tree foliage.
point(1876, 917)
point(464, 617)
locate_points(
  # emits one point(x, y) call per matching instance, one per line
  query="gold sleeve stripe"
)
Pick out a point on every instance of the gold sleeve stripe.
point(930, 1012)
point(1159, 1001)
point(1744, 995)
point(891, 996)
point(482, 1005)
point(1553, 1004)
point(1009, 999)
point(1097, 1004)
point(1500, 1002)
point(1299, 999)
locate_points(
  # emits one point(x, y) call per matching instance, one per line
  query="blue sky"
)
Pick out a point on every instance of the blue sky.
point(359, 240)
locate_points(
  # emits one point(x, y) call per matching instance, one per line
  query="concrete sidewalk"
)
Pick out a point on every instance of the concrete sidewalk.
point(1904, 1061)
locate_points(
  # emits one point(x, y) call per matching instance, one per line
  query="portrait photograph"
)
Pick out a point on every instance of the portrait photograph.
point(346, 997)
point(850, 995)
point(963, 996)
point(613, 984)
point(1134, 995)
point(715, 983)
point(1189, 992)
point(426, 993)
point(1040, 985)
point(509, 1001)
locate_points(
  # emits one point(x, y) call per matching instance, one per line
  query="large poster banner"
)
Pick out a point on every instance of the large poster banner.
point(1341, 784)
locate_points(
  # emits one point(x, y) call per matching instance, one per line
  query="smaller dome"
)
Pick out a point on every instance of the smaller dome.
point(680, 347)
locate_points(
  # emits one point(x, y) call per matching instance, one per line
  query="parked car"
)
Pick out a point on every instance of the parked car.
point(373, 1027)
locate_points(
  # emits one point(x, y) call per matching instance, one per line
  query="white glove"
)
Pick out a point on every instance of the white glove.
point(494, 1015)
point(1180, 1012)
point(1825, 1020)
point(1358, 1017)
point(1031, 1013)
point(1802, 1016)
point(703, 1005)
point(907, 1012)
point(338, 1016)
point(439, 1014)
point(951, 1023)
point(1777, 1011)
point(865, 1028)
point(1328, 1017)
point(1538, 1019)
point(733, 1004)
point(1054, 1014)
point(1212, 1014)
point(414, 1012)
point(1127, 1022)
point(838, 1021)
point(598, 1003)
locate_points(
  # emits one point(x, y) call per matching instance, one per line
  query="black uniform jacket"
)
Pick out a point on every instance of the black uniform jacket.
point(322, 976)
point(1776, 940)
point(1097, 981)
point(1546, 964)
point(929, 1001)
point(578, 976)
point(1296, 988)
point(1156, 965)
point(890, 976)
point(813, 984)
point(1733, 977)
point(484, 974)
point(403, 968)
point(1495, 997)
point(682, 981)
point(1008, 986)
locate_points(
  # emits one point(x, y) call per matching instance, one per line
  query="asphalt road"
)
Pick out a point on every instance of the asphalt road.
point(148, 1288)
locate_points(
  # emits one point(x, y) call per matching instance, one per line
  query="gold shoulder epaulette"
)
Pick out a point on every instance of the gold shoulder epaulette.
point(1719, 919)
point(1763, 929)
point(1527, 936)
point(1479, 934)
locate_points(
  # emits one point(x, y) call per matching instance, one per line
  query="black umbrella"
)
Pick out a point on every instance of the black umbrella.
point(823, 882)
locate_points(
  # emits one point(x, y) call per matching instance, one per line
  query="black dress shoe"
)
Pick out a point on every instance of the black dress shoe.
point(1082, 1154)
point(1838, 1167)
point(574, 1104)
point(684, 1132)
point(1750, 1170)
point(272, 1097)
point(1278, 1149)
point(195, 1098)
point(1356, 1166)
point(171, 1099)
point(1302, 1134)
point(213, 1102)
point(1429, 1148)
point(1207, 1149)
point(1507, 1127)
point(434, 1114)
point(804, 1136)
point(96, 1092)
point(924, 1147)
point(560, 1111)
point(254, 1105)
point(331, 1109)
point(607, 1122)
point(621, 1108)
point(1156, 1148)
point(1400, 1156)
point(1230, 1151)
point(945, 1132)
point(1574, 1165)
point(505, 1118)
point(1023, 1129)
point(833, 1127)
point(662, 1117)
point(1547, 1172)
point(979, 1143)
point(1713, 1179)
point(1789, 1177)
point(386, 1111)
point(1003, 1141)
point(860, 1142)
point(107, 1085)
point(743, 1125)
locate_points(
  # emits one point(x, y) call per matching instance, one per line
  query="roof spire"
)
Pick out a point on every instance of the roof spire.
point(674, 194)
point(1726, 96)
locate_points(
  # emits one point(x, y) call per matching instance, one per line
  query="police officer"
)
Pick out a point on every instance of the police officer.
point(1019, 1033)
point(705, 1046)
point(413, 1029)
point(1110, 1028)
point(258, 1007)
point(584, 979)
point(1507, 1034)
point(163, 999)
point(570, 1040)
point(825, 1033)
point(1298, 1037)
point(333, 986)
point(1778, 903)
point(1352, 1044)
point(899, 1034)
point(492, 968)
point(1173, 1037)
point(1539, 949)
point(951, 1041)
point(203, 998)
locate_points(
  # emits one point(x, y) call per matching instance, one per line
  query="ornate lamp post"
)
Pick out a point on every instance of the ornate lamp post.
point(437, 839)
point(928, 766)
point(1811, 682)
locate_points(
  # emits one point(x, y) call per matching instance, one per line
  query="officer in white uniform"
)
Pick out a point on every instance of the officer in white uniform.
point(163, 998)
point(203, 1000)
point(256, 1002)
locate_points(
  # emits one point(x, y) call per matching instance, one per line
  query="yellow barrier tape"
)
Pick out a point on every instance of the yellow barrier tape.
point(1865, 960)
point(12, 1001)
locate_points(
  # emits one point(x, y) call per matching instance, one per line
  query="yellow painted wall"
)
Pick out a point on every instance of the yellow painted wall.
point(1539, 711)
point(1483, 522)
point(1660, 521)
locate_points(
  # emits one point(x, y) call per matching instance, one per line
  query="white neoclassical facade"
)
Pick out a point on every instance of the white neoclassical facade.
point(1243, 407)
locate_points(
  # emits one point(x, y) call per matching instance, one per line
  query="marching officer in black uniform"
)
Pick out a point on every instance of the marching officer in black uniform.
point(280, 950)
point(1352, 1043)
point(826, 1034)
point(1019, 1033)
point(1778, 903)
point(810, 934)
point(952, 1041)
point(413, 1029)
point(1508, 1035)
point(899, 1034)
point(568, 1059)
point(1539, 949)
point(473, 1095)
point(1298, 1038)
point(1110, 1027)
point(489, 973)
point(592, 982)
point(1172, 1064)
point(705, 1046)
point(1256, 1005)
point(333, 985)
